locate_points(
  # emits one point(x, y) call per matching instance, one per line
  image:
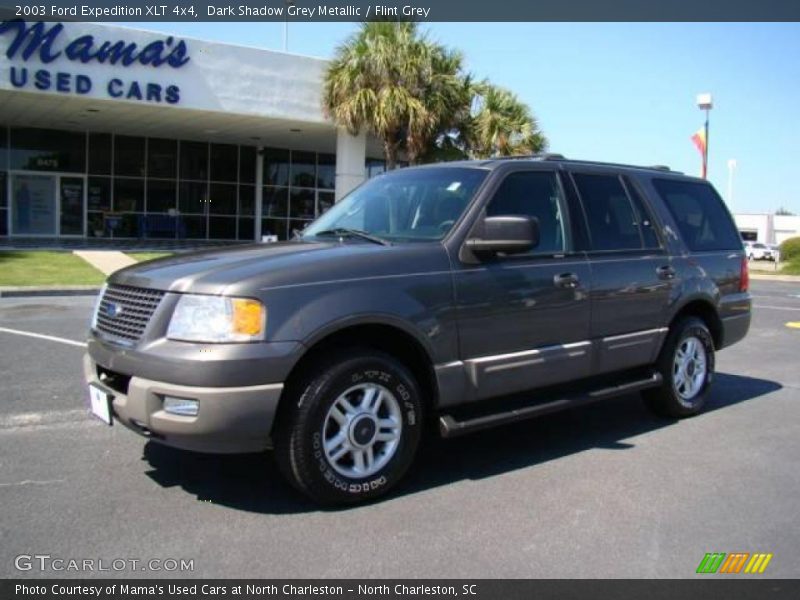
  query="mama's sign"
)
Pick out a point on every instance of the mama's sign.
point(46, 44)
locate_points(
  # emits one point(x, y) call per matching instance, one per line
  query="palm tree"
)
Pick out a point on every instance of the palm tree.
point(412, 94)
point(445, 93)
point(501, 125)
point(373, 83)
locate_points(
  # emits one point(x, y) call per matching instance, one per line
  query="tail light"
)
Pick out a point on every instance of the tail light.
point(744, 276)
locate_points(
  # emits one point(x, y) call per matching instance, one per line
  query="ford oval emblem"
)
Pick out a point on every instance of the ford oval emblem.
point(113, 310)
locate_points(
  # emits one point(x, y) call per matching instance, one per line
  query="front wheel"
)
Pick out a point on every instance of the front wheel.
point(686, 364)
point(353, 429)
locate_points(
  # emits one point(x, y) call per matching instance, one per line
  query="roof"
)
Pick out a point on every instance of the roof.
point(493, 163)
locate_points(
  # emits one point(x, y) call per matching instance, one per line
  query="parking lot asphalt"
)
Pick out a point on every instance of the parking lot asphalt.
point(604, 491)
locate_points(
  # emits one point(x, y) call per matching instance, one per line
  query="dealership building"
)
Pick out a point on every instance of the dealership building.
point(116, 133)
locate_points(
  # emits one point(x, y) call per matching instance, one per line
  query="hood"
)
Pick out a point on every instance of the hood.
point(248, 270)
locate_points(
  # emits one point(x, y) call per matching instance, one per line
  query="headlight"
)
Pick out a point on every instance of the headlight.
point(217, 319)
point(97, 306)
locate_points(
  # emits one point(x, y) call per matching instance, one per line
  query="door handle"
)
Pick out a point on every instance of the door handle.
point(566, 280)
point(666, 272)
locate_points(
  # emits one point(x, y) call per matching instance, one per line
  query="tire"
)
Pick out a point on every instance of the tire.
point(685, 388)
point(339, 456)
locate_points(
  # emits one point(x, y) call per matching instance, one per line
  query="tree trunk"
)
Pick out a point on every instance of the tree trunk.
point(390, 154)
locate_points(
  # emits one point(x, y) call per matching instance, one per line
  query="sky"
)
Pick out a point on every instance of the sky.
point(622, 92)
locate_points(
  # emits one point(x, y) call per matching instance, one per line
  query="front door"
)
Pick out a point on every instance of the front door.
point(34, 209)
point(524, 319)
point(71, 205)
point(47, 204)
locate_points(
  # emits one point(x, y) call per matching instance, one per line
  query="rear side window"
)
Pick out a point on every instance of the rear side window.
point(535, 194)
point(702, 218)
point(646, 224)
point(613, 223)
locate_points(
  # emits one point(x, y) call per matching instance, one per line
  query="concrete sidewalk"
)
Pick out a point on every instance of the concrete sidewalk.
point(105, 261)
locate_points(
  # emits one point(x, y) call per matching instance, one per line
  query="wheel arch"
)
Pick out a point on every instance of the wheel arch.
point(706, 310)
point(382, 335)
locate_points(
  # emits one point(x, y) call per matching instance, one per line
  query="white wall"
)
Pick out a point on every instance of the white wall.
point(771, 229)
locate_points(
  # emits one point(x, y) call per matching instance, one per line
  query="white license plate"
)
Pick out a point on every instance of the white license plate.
point(100, 403)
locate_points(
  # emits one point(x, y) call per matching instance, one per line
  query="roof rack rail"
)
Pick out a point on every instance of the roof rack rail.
point(659, 168)
point(540, 156)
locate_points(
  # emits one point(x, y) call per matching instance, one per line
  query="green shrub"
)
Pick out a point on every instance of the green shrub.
point(790, 249)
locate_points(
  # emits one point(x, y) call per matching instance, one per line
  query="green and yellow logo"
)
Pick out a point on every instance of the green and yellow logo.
point(733, 563)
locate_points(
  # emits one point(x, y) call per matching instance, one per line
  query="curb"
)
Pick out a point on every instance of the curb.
point(30, 292)
point(776, 277)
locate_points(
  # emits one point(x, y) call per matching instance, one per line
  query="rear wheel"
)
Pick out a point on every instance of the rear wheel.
point(352, 430)
point(686, 364)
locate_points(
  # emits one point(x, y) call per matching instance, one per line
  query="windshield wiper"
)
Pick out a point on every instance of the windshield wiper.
point(357, 233)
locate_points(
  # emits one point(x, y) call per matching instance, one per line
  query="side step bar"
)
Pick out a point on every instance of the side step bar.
point(450, 427)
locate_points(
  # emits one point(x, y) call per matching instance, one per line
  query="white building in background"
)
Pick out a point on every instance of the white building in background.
point(110, 132)
point(766, 228)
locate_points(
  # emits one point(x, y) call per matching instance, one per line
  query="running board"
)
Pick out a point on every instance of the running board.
point(450, 427)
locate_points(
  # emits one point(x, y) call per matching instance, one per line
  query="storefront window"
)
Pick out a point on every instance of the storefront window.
point(247, 200)
point(3, 148)
point(160, 195)
point(100, 153)
point(303, 170)
point(99, 193)
point(222, 199)
point(3, 204)
point(47, 150)
point(193, 227)
point(193, 197)
point(247, 164)
point(129, 226)
point(275, 202)
point(246, 228)
point(324, 201)
point(222, 228)
point(3, 189)
point(224, 162)
point(97, 225)
point(162, 158)
point(129, 156)
point(276, 167)
point(301, 204)
point(128, 195)
point(194, 160)
point(326, 171)
point(276, 227)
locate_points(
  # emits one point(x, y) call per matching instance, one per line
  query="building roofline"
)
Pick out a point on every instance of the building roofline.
point(116, 25)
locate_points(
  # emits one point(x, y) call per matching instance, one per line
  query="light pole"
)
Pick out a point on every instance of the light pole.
point(288, 3)
point(731, 169)
point(705, 102)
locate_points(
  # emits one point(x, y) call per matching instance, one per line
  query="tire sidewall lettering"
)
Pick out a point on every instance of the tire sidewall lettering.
point(393, 383)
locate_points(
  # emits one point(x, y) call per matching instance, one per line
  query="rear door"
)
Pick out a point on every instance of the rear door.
point(632, 273)
point(524, 318)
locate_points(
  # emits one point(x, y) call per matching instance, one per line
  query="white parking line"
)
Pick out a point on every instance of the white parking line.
point(776, 307)
point(40, 336)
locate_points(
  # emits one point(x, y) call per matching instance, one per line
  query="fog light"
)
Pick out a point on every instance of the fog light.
point(181, 406)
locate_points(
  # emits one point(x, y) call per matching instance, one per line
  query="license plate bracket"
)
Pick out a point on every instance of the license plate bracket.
point(100, 404)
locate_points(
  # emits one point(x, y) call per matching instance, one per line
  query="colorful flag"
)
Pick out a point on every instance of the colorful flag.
point(699, 140)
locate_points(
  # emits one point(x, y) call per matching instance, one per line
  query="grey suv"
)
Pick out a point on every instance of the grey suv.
point(465, 295)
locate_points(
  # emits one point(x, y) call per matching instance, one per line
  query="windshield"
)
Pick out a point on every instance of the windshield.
point(405, 205)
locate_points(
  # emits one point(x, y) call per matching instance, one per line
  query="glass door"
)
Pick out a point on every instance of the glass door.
point(33, 204)
point(70, 194)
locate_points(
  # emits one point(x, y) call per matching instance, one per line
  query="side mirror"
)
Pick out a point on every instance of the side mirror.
point(509, 234)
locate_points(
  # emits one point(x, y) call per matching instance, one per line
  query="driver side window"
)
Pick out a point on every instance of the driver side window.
point(535, 194)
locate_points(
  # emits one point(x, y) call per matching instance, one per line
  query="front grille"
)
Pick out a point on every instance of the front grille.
point(125, 311)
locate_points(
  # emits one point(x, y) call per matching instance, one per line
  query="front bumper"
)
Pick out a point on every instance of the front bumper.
point(229, 419)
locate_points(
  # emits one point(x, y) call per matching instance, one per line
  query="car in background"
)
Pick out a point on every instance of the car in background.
point(776, 251)
point(758, 251)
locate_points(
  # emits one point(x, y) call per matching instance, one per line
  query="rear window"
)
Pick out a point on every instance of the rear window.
point(702, 218)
